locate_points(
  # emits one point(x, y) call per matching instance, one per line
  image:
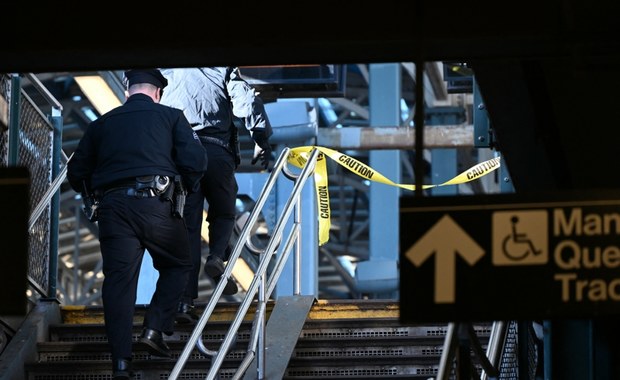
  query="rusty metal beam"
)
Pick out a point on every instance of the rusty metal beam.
point(443, 136)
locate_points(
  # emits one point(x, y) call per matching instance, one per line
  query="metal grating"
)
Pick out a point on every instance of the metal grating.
point(223, 374)
point(71, 356)
point(532, 353)
point(370, 352)
point(58, 357)
point(83, 338)
point(343, 372)
point(356, 333)
point(509, 366)
point(438, 332)
point(35, 153)
point(347, 353)
point(433, 351)
point(87, 336)
point(5, 94)
point(216, 336)
point(85, 376)
point(364, 333)
point(427, 371)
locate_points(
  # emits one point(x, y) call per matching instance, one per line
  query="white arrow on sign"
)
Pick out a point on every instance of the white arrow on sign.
point(445, 239)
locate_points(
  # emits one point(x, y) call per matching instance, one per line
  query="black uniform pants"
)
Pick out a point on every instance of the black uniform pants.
point(219, 188)
point(127, 226)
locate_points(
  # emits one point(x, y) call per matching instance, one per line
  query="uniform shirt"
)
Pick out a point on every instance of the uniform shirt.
point(138, 138)
point(211, 96)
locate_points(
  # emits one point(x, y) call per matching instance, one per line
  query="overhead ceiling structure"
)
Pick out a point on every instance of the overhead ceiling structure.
point(387, 32)
point(546, 69)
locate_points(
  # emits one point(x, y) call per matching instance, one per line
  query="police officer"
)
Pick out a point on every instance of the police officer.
point(130, 157)
point(211, 97)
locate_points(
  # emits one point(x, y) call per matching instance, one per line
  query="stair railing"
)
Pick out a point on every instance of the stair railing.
point(34, 141)
point(461, 341)
point(495, 349)
point(49, 194)
point(260, 285)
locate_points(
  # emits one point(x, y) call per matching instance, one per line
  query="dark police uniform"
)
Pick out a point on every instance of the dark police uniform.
point(139, 138)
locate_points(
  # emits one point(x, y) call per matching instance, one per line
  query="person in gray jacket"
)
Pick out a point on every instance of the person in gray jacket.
point(211, 98)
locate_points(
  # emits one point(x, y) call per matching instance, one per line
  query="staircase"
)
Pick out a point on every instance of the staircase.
point(349, 339)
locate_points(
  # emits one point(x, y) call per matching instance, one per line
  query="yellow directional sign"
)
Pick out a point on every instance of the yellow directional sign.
point(510, 256)
point(434, 243)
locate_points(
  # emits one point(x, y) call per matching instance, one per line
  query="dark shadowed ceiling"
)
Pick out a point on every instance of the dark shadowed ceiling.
point(547, 70)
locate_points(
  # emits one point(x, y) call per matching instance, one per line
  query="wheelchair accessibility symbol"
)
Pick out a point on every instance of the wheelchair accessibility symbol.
point(520, 238)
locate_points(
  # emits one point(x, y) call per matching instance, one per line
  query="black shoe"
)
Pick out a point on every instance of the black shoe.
point(121, 369)
point(155, 343)
point(214, 267)
point(186, 313)
point(230, 288)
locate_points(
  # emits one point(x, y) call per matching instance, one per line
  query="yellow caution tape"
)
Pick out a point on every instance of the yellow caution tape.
point(299, 157)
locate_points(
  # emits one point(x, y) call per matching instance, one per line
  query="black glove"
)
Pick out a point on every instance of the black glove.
point(262, 154)
point(263, 151)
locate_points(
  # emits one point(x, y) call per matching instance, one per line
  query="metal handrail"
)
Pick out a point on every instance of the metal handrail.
point(47, 197)
point(495, 349)
point(260, 285)
point(490, 360)
point(47, 95)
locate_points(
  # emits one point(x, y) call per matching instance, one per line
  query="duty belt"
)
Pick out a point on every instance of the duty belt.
point(214, 140)
point(141, 187)
point(132, 192)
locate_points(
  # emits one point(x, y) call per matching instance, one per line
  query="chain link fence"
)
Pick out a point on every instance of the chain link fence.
point(34, 151)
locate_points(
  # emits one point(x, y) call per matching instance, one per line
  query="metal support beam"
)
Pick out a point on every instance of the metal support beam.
point(379, 275)
point(445, 136)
